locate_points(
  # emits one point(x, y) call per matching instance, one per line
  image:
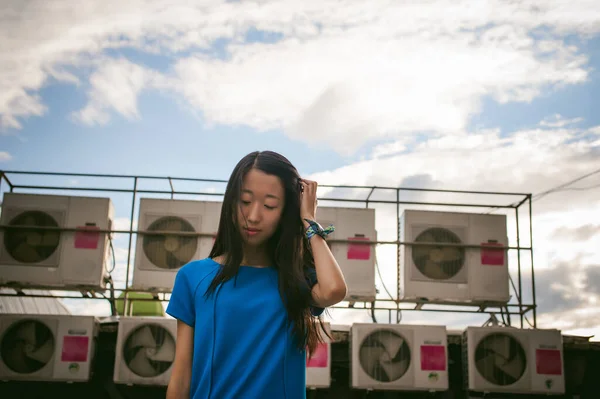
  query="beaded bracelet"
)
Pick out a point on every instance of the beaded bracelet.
point(315, 228)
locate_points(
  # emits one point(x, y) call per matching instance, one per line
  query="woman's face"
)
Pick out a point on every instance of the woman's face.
point(262, 199)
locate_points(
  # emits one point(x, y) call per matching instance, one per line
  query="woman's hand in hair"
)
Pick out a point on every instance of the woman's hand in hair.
point(308, 200)
point(331, 285)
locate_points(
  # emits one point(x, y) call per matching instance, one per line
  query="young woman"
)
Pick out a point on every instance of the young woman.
point(247, 312)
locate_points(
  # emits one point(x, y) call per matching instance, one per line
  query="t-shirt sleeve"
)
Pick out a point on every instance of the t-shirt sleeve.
point(181, 305)
point(311, 278)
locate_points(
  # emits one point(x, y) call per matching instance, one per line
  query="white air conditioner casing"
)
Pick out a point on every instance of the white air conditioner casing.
point(145, 350)
point(470, 274)
point(399, 357)
point(356, 261)
point(528, 361)
point(318, 367)
point(47, 347)
point(55, 259)
point(158, 258)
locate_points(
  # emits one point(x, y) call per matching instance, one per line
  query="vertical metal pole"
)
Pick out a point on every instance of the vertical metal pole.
point(374, 248)
point(520, 294)
point(532, 268)
point(125, 302)
point(397, 249)
point(172, 190)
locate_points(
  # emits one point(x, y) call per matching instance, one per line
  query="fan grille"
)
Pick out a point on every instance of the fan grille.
point(500, 359)
point(438, 262)
point(170, 251)
point(384, 355)
point(149, 350)
point(31, 245)
point(27, 346)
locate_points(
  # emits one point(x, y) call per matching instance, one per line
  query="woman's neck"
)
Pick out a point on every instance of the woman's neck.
point(256, 256)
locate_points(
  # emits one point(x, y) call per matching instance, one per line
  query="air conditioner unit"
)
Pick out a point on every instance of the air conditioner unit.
point(399, 357)
point(145, 350)
point(457, 274)
point(318, 366)
point(159, 257)
point(47, 347)
point(53, 258)
point(511, 360)
point(356, 260)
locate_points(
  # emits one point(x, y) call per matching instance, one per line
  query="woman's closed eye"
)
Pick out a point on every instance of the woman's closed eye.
point(270, 207)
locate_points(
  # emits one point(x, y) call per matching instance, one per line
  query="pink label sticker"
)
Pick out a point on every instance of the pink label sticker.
point(88, 239)
point(320, 358)
point(492, 256)
point(359, 251)
point(433, 357)
point(75, 349)
point(548, 361)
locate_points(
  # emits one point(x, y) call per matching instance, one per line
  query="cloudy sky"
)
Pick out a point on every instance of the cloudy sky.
point(495, 95)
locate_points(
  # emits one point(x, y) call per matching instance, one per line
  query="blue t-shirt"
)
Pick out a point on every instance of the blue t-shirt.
point(242, 346)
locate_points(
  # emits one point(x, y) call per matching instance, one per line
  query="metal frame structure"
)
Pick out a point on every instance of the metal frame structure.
point(391, 305)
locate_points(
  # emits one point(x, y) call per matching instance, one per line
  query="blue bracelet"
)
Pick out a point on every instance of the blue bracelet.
point(315, 228)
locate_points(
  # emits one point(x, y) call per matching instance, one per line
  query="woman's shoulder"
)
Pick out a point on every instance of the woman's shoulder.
point(198, 269)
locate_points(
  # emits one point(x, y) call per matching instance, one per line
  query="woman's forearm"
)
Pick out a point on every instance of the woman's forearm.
point(329, 275)
point(178, 389)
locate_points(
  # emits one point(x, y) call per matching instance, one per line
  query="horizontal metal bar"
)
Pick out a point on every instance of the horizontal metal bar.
point(89, 230)
point(416, 203)
point(426, 310)
point(436, 190)
point(39, 173)
point(363, 305)
point(433, 190)
point(124, 190)
point(195, 234)
point(427, 244)
point(117, 190)
point(62, 188)
point(396, 303)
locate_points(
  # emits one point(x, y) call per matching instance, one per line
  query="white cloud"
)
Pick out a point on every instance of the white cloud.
point(123, 224)
point(343, 73)
point(346, 89)
point(5, 156)
point(557, 120)
point(116, 85)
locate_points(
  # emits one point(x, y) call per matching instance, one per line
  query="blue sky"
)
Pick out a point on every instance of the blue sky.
point(367, 95)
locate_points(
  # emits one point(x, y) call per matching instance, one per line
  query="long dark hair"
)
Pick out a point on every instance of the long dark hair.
point(288, 247)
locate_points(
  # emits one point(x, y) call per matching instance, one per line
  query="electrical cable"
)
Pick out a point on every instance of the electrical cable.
point(560, 187)
point(382, 282)
point(398, 311)
point(114, 259)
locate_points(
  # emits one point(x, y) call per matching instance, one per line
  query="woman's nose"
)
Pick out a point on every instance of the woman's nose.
point(254, 213)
